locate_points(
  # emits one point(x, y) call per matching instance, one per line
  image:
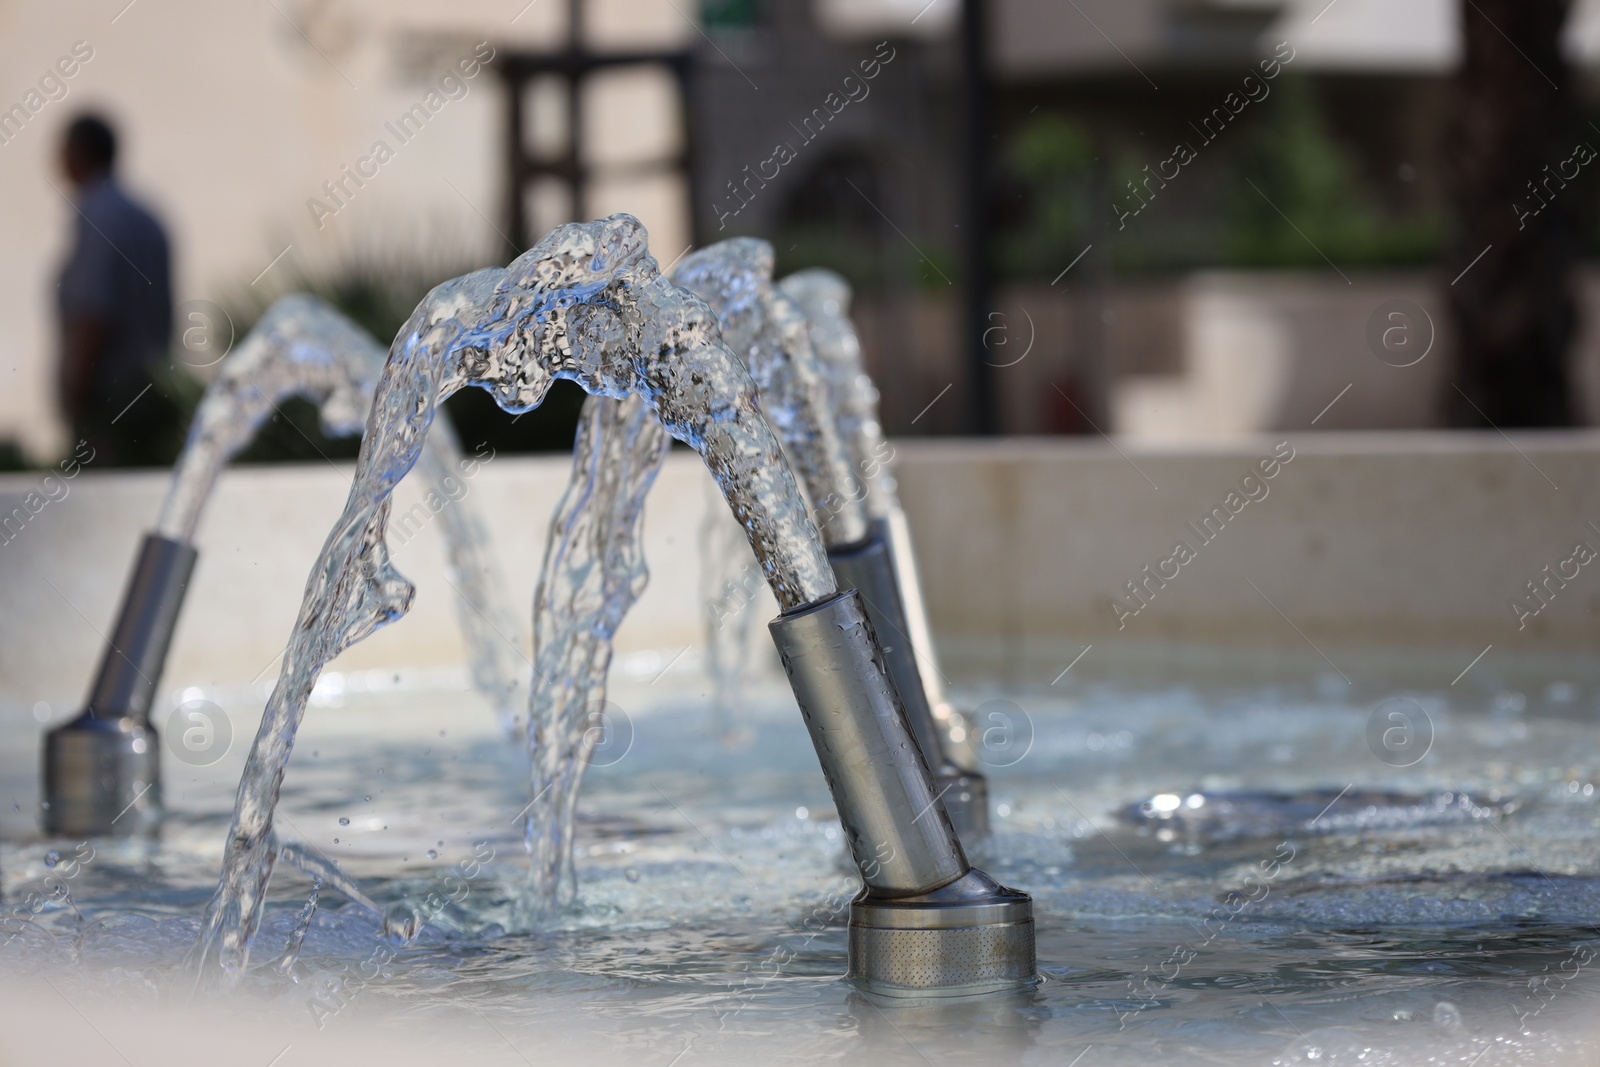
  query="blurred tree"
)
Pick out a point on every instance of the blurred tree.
point(731, 14)
point(1051, 160)
point(1295, 196)
point(1515, 242)
point(1221, 210)
point(828, 220)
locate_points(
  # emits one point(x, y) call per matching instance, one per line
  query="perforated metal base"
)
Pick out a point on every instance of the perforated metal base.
point(968, 938)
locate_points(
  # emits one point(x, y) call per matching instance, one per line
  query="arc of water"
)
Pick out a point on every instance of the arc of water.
point(594, 566)
point(824, 298)
point(769, 331)
point(299, 347)
point(303, 347)
point(587, 303)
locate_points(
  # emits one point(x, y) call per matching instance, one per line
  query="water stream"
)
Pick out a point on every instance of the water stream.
point(767, 328)
point(769, 332)
point(588, 304)
point(303, 347)
point(594, 569)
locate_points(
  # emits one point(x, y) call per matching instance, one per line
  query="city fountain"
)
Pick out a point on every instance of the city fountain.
point(589, 304)
point(1237, 867)
point(102, 769)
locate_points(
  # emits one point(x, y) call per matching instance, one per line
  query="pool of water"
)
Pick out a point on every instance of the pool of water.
point(1247, 860)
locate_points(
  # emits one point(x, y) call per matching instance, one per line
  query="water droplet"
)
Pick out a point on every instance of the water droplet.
point(367, 799)
point(400, 921)
point(336, 840)
point(52, 858)
point(631, 874)
point(432, 855)
point(344, 820)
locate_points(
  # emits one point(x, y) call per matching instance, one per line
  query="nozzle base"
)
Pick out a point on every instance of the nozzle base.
point(102, 777)
point(970, 938)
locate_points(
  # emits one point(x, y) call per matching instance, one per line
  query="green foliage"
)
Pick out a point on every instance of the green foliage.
point(731, 14)
point(1053, 157)
point(1317, 204)
point(1270, 191)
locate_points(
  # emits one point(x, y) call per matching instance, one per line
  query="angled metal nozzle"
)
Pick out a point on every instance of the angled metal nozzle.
point(869, 567)
point(926, 924)
point(102, 772)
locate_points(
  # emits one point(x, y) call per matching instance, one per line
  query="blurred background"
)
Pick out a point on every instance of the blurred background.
point(1167, 220)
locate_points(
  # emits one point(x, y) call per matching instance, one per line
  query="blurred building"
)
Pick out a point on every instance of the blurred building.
point(286, 138)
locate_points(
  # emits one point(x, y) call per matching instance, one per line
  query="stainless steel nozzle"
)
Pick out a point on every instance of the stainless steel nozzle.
point(970, 937)
point(926, 923)
point(869, 567)
point(102, 771)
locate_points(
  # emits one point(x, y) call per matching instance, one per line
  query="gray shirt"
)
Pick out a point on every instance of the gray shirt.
point(118, 272)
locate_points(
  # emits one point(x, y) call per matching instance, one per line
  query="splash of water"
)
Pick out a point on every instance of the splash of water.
point(297, 937)
point(587, 304)
point(594, 570)
point(303, 347)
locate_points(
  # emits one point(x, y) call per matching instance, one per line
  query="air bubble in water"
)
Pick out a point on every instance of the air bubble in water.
point(1446, 1016)
point(631, 874)
point(344, 820)
point(52, 858)
point(433, 854)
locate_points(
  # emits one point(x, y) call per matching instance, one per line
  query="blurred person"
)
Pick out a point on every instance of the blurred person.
point(114, 298)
